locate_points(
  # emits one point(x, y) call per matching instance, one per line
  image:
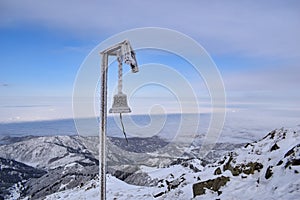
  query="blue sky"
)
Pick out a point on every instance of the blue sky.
point(255, 45)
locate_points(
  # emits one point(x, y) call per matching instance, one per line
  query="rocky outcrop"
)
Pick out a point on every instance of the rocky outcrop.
point(211, 184)
point(271, 151)
point(269, 172)
point(169, 185)
point(274, 147)
point(237, 169)
point(218, 171)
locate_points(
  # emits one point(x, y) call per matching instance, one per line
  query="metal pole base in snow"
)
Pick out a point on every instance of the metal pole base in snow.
point(102, 131)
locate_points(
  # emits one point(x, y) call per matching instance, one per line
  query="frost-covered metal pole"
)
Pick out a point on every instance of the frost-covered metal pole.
point(102, 131)
point(123, 51)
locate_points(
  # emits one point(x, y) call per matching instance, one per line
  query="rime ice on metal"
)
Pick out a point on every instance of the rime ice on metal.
point(124, 52)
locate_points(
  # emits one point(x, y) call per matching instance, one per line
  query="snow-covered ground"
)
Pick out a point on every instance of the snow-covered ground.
point(265, 169)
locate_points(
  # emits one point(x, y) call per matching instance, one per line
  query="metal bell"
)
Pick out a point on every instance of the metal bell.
point(120, 104)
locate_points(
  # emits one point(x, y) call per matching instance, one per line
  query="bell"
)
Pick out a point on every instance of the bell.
point(120, 104)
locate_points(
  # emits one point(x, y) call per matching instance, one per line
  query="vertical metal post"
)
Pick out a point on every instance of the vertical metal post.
point(115, 51)
point(120, 76)
point(102, 131)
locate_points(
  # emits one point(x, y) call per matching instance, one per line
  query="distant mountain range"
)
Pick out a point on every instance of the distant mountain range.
point(66, 167)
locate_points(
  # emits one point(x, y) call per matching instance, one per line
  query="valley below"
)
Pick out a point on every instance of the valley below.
point(67, 167)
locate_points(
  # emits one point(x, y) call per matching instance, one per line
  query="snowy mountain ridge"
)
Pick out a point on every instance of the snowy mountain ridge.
point(265, 169)
point(71, 161)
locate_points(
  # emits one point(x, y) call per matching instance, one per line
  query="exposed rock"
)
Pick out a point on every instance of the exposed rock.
point(249, 168)
point(175, 183)
point(235, 171)
point(274, 147)
point(290, 152)
point(295, 162)
point(292, 162)
point(227, 166)
point(279, 163)
point(168, 185)
point(248, 144)
point(292, 157)
point(212, 184)
point(270, 135)
point(158, 195)
point(218, 171)
point(269, 172)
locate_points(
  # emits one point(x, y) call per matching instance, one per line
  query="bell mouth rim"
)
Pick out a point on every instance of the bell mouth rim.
point(120, 110)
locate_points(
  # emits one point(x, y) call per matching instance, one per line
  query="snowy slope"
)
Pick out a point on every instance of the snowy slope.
point(48, 152)
point(53, 151)
point(279, 153)
point(12, 172)
point(265, 169)
point(72, 160)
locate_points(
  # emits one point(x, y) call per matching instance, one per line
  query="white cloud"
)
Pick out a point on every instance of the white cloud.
point(253, 28)
point(256, 29)
point(274, 78)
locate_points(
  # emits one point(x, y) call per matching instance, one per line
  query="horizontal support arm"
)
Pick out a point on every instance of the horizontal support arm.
point(111, 50)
